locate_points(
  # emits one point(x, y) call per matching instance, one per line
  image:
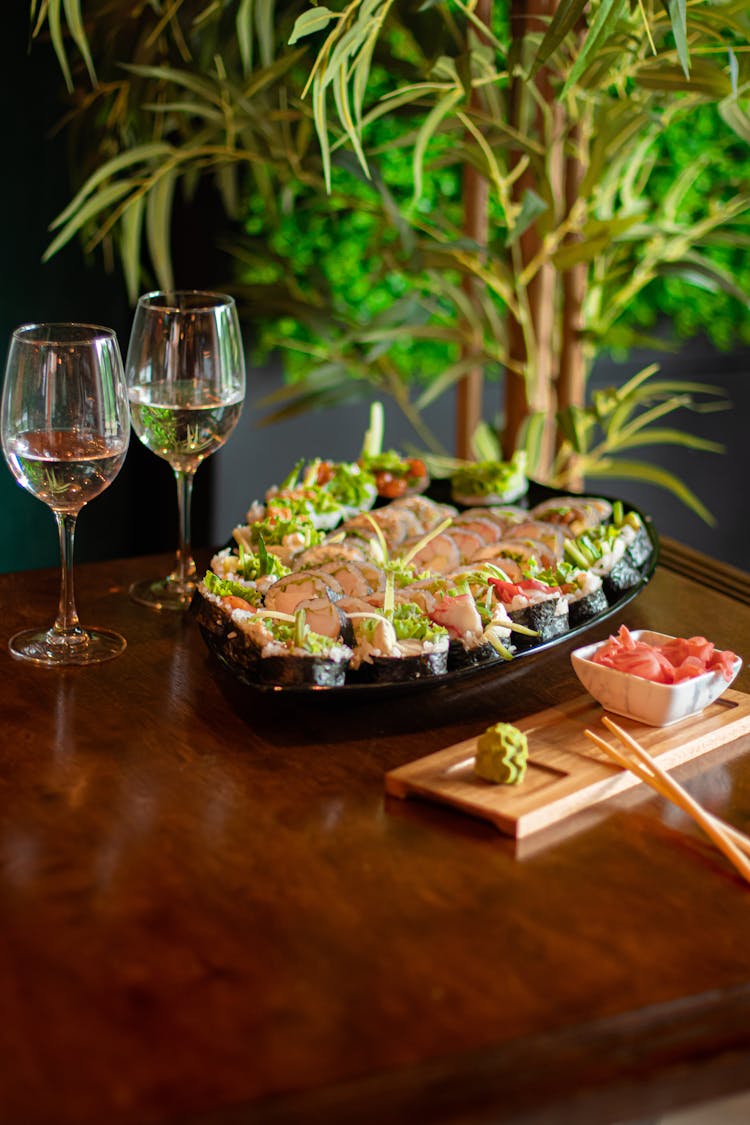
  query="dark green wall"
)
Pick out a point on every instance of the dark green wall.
point(137, 514)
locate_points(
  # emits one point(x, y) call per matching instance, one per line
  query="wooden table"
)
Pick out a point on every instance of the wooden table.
point(211, 913)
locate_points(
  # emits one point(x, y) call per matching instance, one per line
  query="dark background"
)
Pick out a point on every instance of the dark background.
point(137, 514)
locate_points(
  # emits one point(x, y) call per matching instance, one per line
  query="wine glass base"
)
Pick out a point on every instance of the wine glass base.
point(163, 593)
point(89, 646)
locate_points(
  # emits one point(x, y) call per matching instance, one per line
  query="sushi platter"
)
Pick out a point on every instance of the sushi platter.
point(565, 773)
point(349, 578)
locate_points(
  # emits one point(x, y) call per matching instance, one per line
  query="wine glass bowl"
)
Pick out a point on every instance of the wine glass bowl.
point(65, 431)
point(185, 371)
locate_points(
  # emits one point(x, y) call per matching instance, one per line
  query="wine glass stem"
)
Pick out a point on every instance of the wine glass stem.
point(185, 570)
point(67, 627)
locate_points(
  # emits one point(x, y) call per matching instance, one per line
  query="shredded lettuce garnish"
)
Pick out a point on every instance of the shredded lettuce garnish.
point(484, 478)
point(225, 588)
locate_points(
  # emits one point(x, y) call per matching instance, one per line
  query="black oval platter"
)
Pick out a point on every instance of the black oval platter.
point(490, 669)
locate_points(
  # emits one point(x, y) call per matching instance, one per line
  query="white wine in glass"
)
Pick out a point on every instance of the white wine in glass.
point(186, 383)
point(65, 431)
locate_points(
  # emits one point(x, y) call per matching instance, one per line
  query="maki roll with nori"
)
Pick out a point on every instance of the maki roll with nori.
point(479, 629)
point(215, 600)
point(480, 483)
point(605, 551)
point(397, 645)
point(630, 525)
point(282, 650)
point(582, 589)
point(539, 608)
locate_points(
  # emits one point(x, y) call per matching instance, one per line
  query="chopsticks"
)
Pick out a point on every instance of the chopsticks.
point(729, 840)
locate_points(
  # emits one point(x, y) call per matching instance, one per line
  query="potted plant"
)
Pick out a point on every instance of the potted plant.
point(502, 166)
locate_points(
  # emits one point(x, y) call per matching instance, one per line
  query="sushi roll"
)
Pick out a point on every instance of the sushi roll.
point(351, 486)
point(428, 512)
point(403, 645)
point(639, 547)
point(439, 554)
point(282, 537)
point(356, 579)
point(603, 550)
point(581, 587)
point(537, 607)
point(286, 593)
point(481, 483)
point(474, 638)
point(574, 513)
point(336, 549)
point(282, 650)
point(215, 600)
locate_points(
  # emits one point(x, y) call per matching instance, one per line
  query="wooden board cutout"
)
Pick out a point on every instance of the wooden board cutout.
point(565, 772)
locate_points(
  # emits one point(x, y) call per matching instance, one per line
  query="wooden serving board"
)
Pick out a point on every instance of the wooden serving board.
point(566, 772)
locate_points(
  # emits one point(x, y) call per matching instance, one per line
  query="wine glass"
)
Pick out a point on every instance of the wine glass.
point(186, 383)
point(65, 432)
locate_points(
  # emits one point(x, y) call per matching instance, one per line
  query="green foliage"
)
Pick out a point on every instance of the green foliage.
point(338, 141)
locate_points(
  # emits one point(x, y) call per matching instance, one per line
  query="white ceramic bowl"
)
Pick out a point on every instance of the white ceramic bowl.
point(658, 705)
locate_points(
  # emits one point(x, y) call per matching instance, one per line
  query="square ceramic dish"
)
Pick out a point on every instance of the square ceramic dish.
point(657, 705)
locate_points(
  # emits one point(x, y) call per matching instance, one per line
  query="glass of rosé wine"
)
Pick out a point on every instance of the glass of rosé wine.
point(65, 431)
point(185, 371)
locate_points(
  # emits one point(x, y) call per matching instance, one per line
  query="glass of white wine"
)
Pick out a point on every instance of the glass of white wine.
point(65, 431)
point(186, 384)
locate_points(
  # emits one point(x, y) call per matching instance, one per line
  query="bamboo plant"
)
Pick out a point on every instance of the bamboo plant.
point(547, 115)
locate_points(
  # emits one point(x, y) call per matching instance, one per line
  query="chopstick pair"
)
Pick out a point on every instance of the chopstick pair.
point(729, 840)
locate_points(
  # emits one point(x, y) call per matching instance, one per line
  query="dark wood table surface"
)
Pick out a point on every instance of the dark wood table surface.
point(212, 914)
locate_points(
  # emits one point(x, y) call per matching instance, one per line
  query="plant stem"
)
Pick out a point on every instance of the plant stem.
point(531, 336)
point(571, 383)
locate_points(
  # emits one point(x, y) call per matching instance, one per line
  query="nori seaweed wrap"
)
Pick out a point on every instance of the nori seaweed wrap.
point(403, 645)
point(280, 649)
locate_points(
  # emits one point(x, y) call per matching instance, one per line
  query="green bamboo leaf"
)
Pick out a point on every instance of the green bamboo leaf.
point(678, 17)
point(531, 438)
point(734, 72)
point(737, 118)
point(321, 128)
point(607, 15)
point(264, 25)
point(662, 435)
point(576, 423)
point(78, 35)
point(485, 443)
point(189, 109)
point(341, 97)
point(705, 274)
point(361, 73)
point(131, 226)
point(315, 19)
point(705, 78)
point(653, 474)
point(348, 44)
point(103, 199)
point(167, 74)
point(426, 132)
point(244, 26)
point(58, 42)
point(567, 14)
point(443, 382)
point(141, 154)
point(159, 226)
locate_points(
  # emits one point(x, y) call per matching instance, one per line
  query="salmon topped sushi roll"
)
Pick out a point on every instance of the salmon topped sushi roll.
point(282, 650)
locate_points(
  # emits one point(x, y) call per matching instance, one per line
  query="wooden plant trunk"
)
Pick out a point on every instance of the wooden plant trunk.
point(545, 341)
point(475, 195)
